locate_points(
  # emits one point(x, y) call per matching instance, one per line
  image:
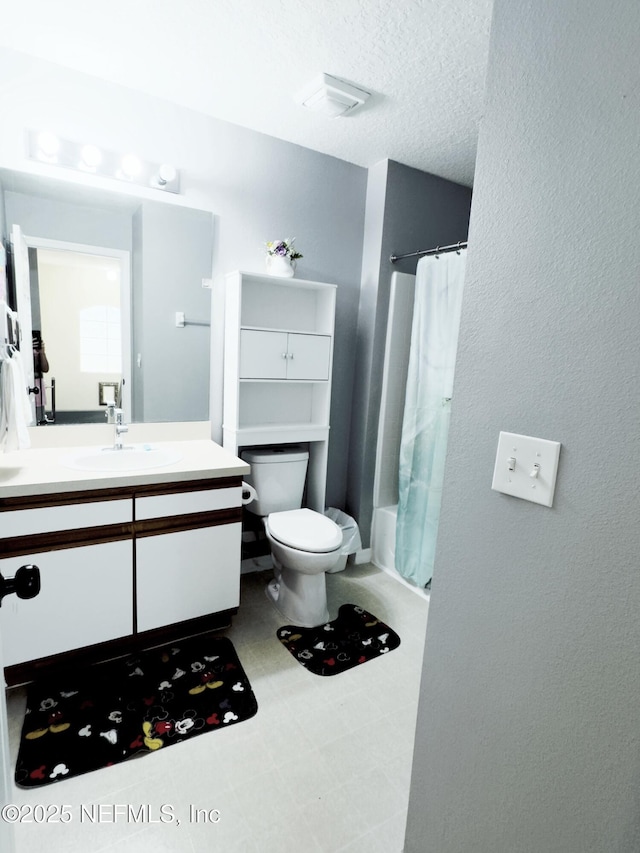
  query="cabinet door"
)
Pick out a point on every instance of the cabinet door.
point(263, 355)
point(187, 574)
point(86, 597)
point(309, 356)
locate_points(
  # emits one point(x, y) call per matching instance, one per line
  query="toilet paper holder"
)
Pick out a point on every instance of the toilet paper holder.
point(248, 494)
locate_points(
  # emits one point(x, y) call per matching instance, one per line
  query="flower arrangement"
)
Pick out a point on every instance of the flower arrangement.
point(283, 249)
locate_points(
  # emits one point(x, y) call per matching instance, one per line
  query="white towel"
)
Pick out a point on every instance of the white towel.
point(15, 406)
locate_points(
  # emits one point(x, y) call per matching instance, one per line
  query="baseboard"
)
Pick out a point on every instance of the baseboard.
point(362, 556)
point(256, 564)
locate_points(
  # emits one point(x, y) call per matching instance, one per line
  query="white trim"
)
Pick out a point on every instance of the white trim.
point(422, 593)
point(124, 258)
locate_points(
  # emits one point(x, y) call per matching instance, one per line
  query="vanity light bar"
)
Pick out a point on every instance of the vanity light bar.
point(46, 147)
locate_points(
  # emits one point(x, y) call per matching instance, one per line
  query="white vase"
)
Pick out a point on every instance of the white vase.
point(280, 265)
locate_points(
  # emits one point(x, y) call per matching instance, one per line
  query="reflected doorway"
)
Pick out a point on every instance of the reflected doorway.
point(81, 331)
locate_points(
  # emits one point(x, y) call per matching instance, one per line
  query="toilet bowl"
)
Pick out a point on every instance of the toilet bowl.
point(304, 545)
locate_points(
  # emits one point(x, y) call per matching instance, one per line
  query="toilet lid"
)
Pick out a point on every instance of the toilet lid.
point(305, 530)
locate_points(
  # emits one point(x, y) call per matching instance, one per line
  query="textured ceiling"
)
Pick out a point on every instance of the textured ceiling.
point(244, 60)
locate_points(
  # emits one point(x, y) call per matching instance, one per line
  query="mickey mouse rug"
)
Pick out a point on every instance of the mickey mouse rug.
point(104, 714)
point(355, 637)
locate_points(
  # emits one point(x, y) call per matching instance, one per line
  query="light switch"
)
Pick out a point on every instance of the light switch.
point(179, 319)
point(526, 467)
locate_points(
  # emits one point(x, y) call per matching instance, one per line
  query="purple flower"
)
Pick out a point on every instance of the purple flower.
point(280, 249)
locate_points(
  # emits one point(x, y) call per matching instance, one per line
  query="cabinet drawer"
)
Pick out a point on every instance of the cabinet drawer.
point(187, 574)
point(206, 500)
point(27, 522)
point(86, 597)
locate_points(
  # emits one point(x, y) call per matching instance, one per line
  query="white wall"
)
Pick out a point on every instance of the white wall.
point(529, 720)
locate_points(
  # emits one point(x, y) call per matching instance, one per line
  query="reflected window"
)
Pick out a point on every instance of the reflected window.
point(100, 344)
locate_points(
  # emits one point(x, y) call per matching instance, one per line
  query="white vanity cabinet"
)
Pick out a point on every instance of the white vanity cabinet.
point(145, 564)
point(86, 591)
point(86, 597)
point(278, 355)
point(189, 572)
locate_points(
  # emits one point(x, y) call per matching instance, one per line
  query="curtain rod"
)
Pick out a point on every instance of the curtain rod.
point(454, 247)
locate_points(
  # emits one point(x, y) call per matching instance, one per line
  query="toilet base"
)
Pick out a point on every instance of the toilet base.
point(301, 599)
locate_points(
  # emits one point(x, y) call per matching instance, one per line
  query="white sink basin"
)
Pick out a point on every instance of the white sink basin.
point(138, 457)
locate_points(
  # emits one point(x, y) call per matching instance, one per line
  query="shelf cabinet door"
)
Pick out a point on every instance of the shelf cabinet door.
point(187, 574)
point(309, 357)
point(263, 355)
point(282, 355)
point(86, 597)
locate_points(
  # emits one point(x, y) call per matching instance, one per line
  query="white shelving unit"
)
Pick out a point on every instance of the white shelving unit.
point(278, 357)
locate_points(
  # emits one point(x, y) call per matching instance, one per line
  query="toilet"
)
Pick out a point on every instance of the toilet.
point(304, 543)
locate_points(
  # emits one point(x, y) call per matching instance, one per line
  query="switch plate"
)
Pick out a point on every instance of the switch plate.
point(180, 319)
point(526, 481)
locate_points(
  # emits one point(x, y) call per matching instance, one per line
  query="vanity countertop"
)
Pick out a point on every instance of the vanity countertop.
point(42, 470)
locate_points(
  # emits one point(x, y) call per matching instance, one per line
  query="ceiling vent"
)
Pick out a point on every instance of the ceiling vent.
point(331, 97)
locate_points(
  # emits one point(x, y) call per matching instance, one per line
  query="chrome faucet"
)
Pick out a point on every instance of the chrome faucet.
point(115, 416)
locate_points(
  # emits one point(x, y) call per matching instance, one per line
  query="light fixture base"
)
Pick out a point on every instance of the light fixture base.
point(46, 147)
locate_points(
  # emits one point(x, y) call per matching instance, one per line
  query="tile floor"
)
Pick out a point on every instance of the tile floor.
point(323, 767)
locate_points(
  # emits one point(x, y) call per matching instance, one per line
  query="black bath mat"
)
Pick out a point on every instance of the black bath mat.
point(353, 638)
point(104, 714)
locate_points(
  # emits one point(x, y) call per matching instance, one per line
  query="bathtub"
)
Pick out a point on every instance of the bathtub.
point(383, 537)
point(383, 545)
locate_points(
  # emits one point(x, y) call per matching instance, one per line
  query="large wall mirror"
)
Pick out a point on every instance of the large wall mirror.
point(107, 273)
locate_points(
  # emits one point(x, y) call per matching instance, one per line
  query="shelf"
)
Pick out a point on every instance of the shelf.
point(287, 329)
point(274, 434)
point(276, 304)
point(265, 280)
point(278, 360)
point(284, 381)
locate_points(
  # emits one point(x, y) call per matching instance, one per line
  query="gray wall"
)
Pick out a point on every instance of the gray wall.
point(3, 217)
point(407, 210)
point(53, 219)
point(267, 189)
point(175, 244)
point(529, 716)
point(3, 225)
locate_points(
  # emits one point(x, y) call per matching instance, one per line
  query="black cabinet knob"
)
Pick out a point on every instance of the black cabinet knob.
point(25, 584)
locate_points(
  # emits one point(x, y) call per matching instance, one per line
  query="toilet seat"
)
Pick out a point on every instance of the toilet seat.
point(305, 530)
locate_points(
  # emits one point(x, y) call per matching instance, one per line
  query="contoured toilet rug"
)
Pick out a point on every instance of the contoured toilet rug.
point(101, 715)
point(355, 637)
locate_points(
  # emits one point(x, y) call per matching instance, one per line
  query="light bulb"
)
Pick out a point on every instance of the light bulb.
point(166, 174)
point(131, 165)
point(48, 143)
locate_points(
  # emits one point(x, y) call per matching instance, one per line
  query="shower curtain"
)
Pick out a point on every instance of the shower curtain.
point(425, 426)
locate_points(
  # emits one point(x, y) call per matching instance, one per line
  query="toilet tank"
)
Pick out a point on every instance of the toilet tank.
point(278, 476)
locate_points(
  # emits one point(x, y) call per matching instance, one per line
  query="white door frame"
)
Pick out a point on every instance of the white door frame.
point(125, 299)
point(23, 307)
